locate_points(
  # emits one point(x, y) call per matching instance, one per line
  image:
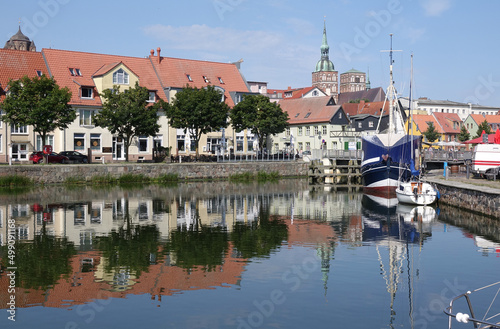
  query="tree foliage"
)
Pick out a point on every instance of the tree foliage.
point(38, 102)
point(464, 134)
point(127, 114)
point(198, 111)
point(431, 133)
point(483, 126)
point(260, 115)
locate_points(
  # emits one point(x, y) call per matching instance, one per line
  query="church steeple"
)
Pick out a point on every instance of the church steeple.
point(20, 42)
point(324, 75)
point(324, 64)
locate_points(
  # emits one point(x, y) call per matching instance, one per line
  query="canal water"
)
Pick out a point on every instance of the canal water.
point(221, 255)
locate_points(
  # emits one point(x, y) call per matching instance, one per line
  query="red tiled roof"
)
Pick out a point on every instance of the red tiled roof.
point(479, 118)
point(450, 122)
point(15, 64)
point(309, 110)
point(422, 120)
point(373, 108)
point(90, 64)
point(174, 72)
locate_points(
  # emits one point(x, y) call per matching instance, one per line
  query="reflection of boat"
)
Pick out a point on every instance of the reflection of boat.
point(387, 153)
point(409, 213)
point(487, 320)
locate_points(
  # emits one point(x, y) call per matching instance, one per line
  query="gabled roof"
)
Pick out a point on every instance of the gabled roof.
point(479, 118)
point(309, 110)
point(422, 122)
point(373, 108)
point(449, 122)
point(373, 95)
point(177, 73)
point(15, 64)
point(89, 64)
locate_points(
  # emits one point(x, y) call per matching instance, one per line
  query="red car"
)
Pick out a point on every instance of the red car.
point(39, 157)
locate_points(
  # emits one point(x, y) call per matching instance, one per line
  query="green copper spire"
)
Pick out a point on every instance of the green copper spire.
point(324, 64)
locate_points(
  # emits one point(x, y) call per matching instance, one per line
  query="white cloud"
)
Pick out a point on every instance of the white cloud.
point(435, 7)
point(415, 34)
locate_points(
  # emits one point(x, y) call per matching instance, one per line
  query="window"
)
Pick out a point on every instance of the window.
point(360, 125)
point(152, 97)
point(308, 131)
point(39, 73)
point(40, 143)
point(206, 79)
point(287, 131)
point(120, 77)
point(158, 141)
point(87, 92)
point(296, 115)
point(299, 131)
point(19, 129)
point(222, 82)
point(324, 130)
point(86, 117)
point(239, 143)
point(316, 130)
point(71, 71)
point(189, 78)
point(79, 142)
point(370, 124)
point(95, 142)
point(77, 71)
point(307, 115)
point(143, 143)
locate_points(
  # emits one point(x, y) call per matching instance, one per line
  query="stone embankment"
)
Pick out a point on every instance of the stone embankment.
point(57, 174)
point(476, 194)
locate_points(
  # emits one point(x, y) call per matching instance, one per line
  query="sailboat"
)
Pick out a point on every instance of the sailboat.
point(387, 153)
point(414, 190)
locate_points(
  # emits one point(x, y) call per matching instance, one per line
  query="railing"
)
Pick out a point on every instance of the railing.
point(442, 155)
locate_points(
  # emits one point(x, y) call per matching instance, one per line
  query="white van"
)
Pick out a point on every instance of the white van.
point(486, 159)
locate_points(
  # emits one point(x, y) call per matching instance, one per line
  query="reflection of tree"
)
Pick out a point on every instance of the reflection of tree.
point(259, 238)
point(134, 247)
point(206, 246)
point(43, 262)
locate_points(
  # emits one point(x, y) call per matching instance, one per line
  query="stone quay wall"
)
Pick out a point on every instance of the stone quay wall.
point(476, 199)
point(57, 174)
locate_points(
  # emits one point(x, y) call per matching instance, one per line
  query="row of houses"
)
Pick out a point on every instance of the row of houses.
point(317, 119)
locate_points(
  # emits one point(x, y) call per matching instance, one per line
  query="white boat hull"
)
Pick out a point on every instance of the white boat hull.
point(416, 193)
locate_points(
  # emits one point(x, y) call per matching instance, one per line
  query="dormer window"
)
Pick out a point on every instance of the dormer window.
point(120, 77)
point(77, 71)
point(222, 82)
point(189, 78)
point(206, 79)
point(71, 71)
point(87, 92)
point(39, 73)
point(296, 115)
point(152, 97)
point(307, 115)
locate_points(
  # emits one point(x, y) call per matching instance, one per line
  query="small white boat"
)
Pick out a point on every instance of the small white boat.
point(417, 193)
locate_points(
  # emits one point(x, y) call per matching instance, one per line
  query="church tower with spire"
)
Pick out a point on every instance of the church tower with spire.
point(324, 76)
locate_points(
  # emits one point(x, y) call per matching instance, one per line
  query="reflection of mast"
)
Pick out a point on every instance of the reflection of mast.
point(325, 253)
point(392, 276)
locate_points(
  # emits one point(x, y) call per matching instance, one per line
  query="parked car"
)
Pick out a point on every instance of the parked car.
point(39, 157)
point(75, 156)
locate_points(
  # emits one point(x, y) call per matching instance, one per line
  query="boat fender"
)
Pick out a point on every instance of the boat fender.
point(438, 195)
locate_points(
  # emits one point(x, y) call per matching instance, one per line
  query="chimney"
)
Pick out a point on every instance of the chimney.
point(158, 50)
point(152, 52)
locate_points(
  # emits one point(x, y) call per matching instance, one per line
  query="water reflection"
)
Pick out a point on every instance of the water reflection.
point(77, 246)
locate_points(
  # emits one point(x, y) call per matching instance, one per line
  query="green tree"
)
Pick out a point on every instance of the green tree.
point(464, 134)
point(431, 133)
point(483, 126)
point(128, 114)
point(40, 103)
point(198, 111)
point(263, 117)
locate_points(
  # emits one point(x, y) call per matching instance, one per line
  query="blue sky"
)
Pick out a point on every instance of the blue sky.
point(454, 42)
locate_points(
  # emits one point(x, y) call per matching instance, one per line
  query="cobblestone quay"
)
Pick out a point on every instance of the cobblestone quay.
point(56, 174)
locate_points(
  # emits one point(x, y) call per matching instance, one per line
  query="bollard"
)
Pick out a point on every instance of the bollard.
point(445, 171)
